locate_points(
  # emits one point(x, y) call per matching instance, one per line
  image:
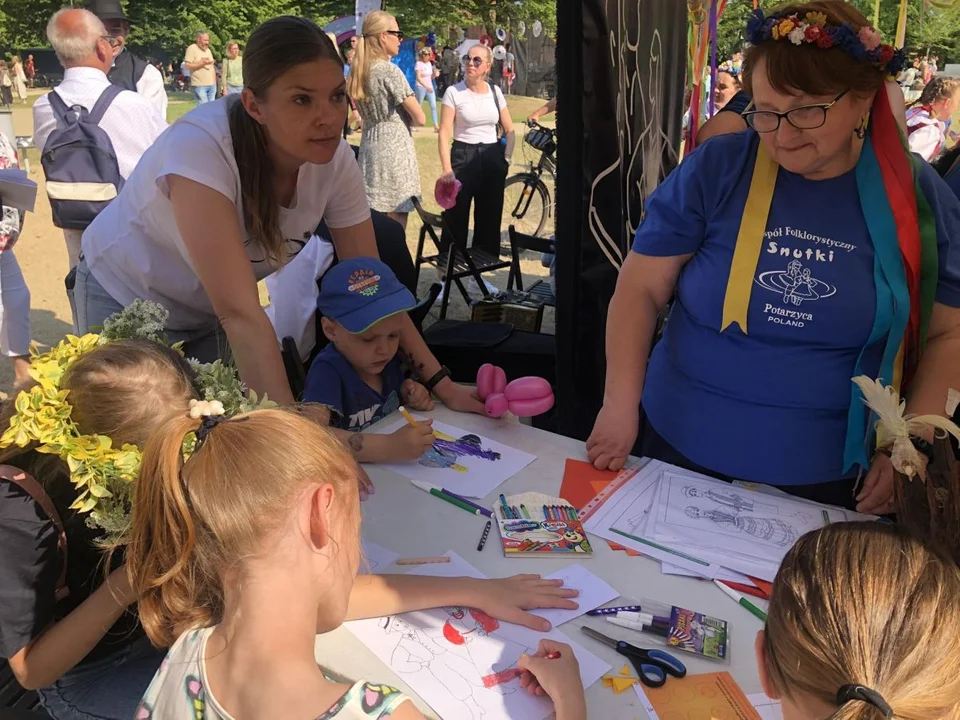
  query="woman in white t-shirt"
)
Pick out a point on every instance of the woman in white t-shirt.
point(471, 111)
point(229, 194)
point(425, 88)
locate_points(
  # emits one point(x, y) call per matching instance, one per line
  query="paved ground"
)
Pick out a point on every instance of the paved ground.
point(43, 257)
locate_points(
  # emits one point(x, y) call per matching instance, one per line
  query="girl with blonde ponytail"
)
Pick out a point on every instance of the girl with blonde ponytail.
point(862, 625)
point(247, 549)
point(387, 107)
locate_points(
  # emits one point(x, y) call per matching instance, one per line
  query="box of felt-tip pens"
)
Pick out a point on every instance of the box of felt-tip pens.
point(537, 525)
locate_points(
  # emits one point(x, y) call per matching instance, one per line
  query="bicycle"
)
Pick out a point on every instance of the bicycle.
point(527, 202)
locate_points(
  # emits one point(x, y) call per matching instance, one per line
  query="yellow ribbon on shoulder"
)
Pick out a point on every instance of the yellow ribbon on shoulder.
point(746, 254)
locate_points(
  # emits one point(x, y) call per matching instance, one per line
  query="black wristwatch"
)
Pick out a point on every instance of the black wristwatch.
point(442, 373)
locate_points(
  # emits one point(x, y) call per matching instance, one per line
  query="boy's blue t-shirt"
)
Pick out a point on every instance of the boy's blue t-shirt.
point(333, 382)
point(770, 406)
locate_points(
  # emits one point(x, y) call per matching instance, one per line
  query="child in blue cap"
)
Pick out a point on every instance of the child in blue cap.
point(359, 376)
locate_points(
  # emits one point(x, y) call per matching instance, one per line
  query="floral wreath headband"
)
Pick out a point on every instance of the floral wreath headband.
point(813, 29)
point(102, 473)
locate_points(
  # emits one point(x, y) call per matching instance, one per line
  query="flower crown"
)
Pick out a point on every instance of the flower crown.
point(103, 474)
point(812, 29)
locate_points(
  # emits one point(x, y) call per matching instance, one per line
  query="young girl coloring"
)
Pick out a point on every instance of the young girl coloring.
point(80, 645)
point(245, 551)
point(862, 625)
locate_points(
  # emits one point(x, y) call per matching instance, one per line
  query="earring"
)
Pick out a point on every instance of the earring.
point(861, 129)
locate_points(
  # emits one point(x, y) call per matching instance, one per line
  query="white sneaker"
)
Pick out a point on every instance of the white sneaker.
point(474, 287)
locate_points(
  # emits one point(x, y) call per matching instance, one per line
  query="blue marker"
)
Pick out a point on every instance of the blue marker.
point(504, 506)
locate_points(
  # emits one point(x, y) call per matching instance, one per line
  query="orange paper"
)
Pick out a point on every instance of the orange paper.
point(714, 695)
point(582, 482)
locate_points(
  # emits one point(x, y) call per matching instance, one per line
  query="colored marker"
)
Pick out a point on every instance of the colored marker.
point(408, 417)
point(523, 509)
point(429, 487)
point(514, 511)
point(615, 610)
point(546, 513)
point(424, 560)
point(741, 600)
point(433, 490)
point(483, 538)
point(653, 629)
point(504, 506)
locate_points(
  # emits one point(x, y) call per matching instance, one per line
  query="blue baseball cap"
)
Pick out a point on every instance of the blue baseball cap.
point(360, 292)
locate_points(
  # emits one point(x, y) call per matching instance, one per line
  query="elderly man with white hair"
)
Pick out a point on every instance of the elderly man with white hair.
point(203, 74)
point(131, 122)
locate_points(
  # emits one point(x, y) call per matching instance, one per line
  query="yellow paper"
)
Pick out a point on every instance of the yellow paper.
point(621, 684)
point(625, 670)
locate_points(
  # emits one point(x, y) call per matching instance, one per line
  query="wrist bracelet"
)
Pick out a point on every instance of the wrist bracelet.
point(442, 374)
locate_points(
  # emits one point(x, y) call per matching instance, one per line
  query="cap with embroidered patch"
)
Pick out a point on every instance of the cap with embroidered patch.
point(360, 292)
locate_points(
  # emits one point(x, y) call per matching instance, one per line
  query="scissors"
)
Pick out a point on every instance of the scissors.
point(652, 666)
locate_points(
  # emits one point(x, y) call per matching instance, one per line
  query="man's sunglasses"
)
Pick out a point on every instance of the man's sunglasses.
point(398, 34)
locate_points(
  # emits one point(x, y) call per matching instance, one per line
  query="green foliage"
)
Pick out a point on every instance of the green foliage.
point(933, 29)
point(164, 28)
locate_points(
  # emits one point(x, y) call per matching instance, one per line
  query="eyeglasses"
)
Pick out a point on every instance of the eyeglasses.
point(111, 39)
point(475, 61)
point(398, 34)
point(806, 117)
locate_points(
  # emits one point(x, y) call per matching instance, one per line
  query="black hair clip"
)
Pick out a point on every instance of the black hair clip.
point(859, 693)
point(207, 424)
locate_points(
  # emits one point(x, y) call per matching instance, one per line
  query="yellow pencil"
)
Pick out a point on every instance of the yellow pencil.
point(408, 417)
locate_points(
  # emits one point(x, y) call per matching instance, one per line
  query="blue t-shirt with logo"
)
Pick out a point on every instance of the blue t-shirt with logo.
point(354, 405)
point(770, 406)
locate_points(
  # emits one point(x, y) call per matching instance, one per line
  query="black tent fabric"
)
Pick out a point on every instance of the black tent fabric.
point(620, 74)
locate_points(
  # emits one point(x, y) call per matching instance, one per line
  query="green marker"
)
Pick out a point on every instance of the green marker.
point(523, 509)
point(437, 492)
point(742, 601)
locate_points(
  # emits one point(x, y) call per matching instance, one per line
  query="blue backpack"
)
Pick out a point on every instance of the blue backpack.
point(80, 163)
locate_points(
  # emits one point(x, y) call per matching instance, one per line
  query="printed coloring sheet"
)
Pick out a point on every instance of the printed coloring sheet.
point(461, 661)
point(462, 462)
point(376, 558)
point(713, 514)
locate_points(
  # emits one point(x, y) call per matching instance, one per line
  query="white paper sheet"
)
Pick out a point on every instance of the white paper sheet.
point(768, 709)
point(625, 513)
point(462, 462)
point(723, 574)
point(594, 592)
point(377, 558)
point(445, 655)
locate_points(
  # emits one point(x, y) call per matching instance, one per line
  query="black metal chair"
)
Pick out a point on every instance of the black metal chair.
point(296, 369)
point(519, 241)
point(15, 702)
point(456, 262)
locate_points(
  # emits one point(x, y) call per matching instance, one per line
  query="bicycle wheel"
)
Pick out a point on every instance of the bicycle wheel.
point(526, 204)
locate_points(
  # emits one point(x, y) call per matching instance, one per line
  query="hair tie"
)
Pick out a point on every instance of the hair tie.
point(850, 693)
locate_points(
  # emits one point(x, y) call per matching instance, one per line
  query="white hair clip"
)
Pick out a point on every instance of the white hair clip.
point(205, 408)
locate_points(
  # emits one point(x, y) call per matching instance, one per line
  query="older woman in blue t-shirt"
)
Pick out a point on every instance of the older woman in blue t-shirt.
point(798, 256)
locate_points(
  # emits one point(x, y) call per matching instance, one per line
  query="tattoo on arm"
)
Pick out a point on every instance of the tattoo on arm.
point(356, 443)
point(411, 364)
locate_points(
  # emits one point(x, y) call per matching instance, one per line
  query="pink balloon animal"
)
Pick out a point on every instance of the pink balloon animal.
point(445, 193)
point(524, 397)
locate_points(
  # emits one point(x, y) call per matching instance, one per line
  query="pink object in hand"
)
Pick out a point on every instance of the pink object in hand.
point(496, 405)
point(491, 380)
point(529, 396)
point(525, 397)
point(445, 193)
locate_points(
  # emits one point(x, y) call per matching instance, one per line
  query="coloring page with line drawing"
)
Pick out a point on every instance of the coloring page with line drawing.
point(463, 462)
point(716, 515)
point(376, 558)
point(462, 662)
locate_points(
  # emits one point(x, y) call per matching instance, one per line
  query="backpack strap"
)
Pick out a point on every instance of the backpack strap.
point(103, 102)
point(59, 107)
point(35, 490)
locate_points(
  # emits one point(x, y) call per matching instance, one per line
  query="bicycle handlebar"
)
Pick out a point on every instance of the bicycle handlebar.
point(538, 126)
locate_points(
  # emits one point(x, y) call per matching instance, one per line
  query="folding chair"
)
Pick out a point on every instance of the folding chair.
point(455, 262)
point(541, 290)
